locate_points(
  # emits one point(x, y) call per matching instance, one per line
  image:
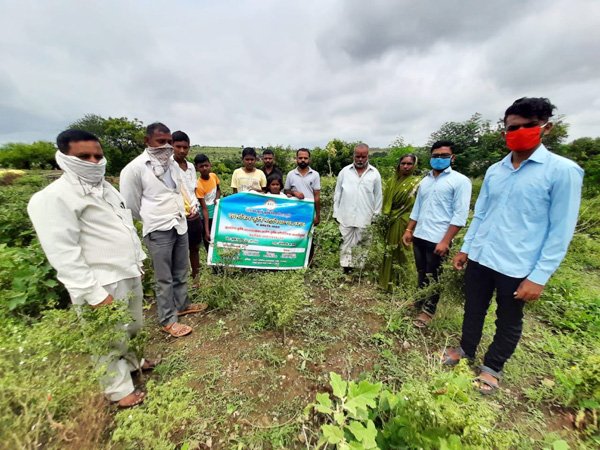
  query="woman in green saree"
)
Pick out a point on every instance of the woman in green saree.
point(398, 200)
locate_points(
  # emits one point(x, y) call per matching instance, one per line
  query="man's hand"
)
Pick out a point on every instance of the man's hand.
point(528, 291)
point(407, 237)
point(460, 261)
point(442, 248)
point(107, 301)
point(193, 216)
point(317, 220)
point(298, 195)
point(206, 235)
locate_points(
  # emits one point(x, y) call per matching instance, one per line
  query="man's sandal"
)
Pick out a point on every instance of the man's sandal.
point(193, 308)
point(133, 399)
point(177, 329)
point(488, 387)
point(150, 364)
point(452, 356)
point(423, 320)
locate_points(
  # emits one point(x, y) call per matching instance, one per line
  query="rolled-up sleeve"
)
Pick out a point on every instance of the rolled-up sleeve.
point(565, 199)
point(462, 200)
point(131, 190)
point(58, 233)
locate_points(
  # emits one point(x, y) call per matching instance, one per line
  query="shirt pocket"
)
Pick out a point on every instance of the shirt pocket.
point(535, 199)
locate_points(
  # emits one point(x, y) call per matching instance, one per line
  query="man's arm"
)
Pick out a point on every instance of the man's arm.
point(131, 190)
point(317, 197)
point(337, 196)
point(57, 226)
point(460, 202)
point(565, 198)
point(205, 216)
point(378, 192)
point(407, 237)
point(218, 194)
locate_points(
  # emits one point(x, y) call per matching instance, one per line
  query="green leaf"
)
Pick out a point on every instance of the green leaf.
point(339, 418)
point(332, 434)
point(364, 434)
point(339, 386)
point(361, 396)
point(560, 445)
point(324, 403)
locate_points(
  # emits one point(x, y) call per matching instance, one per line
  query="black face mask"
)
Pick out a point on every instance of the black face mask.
point(303, 165)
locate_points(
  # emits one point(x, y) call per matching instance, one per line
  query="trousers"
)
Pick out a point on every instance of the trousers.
point(429, 267)
point(121, 361)
point(352, 237)
point(480, 284)
point(170, 253)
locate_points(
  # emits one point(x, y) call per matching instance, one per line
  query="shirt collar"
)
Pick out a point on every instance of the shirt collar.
point(539, 156)
point(446, 170)
point(369, 167)
point(298, 171)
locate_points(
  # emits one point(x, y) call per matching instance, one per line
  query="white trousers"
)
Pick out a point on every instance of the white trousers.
point(119, 363)
point(350, 256)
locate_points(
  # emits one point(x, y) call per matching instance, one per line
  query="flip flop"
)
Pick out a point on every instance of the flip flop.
point(448, 360)
point(136, 397)
point(193, 308)
point(493, 386)
point(150, 364)
point(177, 329)
point(421, 322)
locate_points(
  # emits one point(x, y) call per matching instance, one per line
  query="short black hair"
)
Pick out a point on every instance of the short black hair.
point(201, 158)
point(156, 126)
point(268, 152)
point(531, 107)
point(180, 136)
point(248, 151)
point(273, 177)
point(303, 150)
point(64, 139)
point(439, 144)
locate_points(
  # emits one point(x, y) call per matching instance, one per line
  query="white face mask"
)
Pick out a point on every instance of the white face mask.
point(159, 158)
point(87, 172)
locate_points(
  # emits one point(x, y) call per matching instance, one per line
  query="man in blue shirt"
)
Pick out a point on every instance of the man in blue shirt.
point(524, 219)
point(440, 211)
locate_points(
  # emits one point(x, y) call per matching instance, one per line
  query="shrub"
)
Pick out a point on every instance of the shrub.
point(39, 155)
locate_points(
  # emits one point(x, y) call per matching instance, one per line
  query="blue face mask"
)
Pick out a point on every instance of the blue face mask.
point(440, 163)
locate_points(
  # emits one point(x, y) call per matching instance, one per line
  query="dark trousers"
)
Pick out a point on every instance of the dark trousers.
point(480, 284)
point(428, 268)
point(206, 238)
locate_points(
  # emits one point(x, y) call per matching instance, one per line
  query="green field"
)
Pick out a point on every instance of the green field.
point(269, 344)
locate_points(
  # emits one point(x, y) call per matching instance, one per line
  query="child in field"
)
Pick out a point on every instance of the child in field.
point(275, 185)
point(208, 191)
point(248, 178)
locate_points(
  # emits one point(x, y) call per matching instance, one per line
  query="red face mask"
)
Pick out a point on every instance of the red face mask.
point(524, 139)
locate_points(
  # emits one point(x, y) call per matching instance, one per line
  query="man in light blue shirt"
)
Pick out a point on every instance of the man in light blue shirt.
point(524, 220)
point(440, 211)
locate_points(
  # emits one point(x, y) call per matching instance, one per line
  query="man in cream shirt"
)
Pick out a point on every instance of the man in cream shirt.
point(153, 189)
point(89, 238)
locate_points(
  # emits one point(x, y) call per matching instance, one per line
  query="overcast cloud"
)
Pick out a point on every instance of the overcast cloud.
point(262, 72)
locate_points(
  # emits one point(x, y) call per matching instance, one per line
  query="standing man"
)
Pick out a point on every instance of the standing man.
point(357, 199)
point(440, 211)
point(152, 187)
point(181, 148)
point(304, 182)
point(269, 167)
point(89, 238)
point(524, 219)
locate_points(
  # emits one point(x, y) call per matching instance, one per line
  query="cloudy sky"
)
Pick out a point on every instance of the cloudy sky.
point(235, 72)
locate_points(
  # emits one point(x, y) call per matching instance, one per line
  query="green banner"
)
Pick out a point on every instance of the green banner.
point(261, 231)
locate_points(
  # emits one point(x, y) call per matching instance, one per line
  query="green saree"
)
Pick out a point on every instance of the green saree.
point(398, 200)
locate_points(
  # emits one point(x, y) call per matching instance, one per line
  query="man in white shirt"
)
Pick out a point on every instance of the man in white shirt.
point(89, 238)
point(358, 198)
point(153, 189)
point(181, 149)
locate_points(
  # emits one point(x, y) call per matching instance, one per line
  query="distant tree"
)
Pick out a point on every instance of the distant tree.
point(39, 155)
point(334, 157)
point(122, 139)
point(585, 151)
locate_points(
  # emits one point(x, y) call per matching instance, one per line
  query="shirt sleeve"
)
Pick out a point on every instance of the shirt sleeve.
point(287, 185)
point(378, 191)
point(462, 200)
point(234, 179)
point(337, 196)
point(565, 199)
point(414, 214)
point(131, 190)
point(199, 189)
point(317, 185)
point(263, 179)
point(479, 213)
point(57, 226)
point(217, 181)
